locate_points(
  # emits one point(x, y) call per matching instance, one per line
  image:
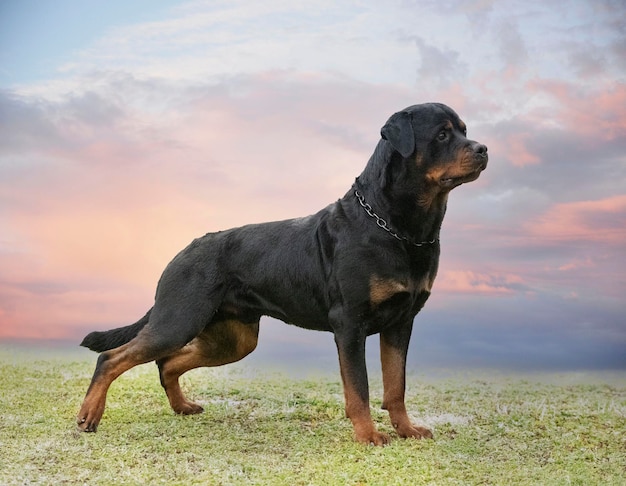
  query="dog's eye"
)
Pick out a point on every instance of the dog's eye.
point(443, 134)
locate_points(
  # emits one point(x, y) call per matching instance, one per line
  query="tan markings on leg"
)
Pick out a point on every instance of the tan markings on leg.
point(220, 343)
point(228, 341)
point(359, 414)
point(171, 367)
point(394, 383)
point(118, 361)
point(382, 289)
point(358, 411)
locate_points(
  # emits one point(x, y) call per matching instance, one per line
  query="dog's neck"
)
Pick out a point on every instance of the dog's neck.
point(398, 193)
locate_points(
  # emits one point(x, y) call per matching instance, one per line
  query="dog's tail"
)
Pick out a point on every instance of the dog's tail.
point(100, 341)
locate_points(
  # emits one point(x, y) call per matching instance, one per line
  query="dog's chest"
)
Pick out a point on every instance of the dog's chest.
point(403, 290)
point(395, 300)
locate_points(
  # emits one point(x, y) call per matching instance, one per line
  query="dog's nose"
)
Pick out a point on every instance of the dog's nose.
point(480, 149)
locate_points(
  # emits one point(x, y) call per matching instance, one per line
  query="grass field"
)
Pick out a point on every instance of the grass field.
point(271, 429)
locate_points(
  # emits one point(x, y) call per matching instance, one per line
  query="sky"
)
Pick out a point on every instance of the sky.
point(129, 128)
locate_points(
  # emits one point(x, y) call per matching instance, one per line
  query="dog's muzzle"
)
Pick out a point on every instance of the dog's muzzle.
point(481, 156)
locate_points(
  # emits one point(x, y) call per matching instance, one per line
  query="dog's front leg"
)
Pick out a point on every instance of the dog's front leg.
point(351, 348)
point(394, 344)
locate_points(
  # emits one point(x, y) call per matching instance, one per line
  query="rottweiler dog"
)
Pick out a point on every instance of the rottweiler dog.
point(363, 265)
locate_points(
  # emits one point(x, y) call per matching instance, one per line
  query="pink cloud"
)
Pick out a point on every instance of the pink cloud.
point(577, 264)
point(67, 313)
point(469, 282)
point(600, 113)
point(596, 115)
point(518, 152)
point(603, 220)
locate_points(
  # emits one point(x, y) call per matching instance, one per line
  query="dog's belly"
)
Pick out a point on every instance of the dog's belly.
point(299, 309)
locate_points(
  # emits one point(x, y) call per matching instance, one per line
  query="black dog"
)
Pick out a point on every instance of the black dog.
point(363, 265)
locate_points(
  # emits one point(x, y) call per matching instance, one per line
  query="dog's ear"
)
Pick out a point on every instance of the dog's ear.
point(398, 131)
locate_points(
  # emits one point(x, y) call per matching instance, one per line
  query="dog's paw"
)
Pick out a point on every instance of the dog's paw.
point(372, 437)
point(88, 422)
point(188, 408)
point(410, 430)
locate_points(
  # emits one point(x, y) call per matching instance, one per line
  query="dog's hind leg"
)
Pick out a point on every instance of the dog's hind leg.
point(149, 345)
point(220, 343)
point(183, 307)
point(111, 364)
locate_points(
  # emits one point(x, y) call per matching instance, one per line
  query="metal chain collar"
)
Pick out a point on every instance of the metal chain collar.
point(383, 224)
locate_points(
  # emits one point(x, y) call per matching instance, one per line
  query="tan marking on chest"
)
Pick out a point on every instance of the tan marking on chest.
point(382, 289)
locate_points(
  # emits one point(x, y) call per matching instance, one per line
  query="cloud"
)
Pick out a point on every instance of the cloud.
point(601, 221)
point(513, 51)
point(560, 149)
point(23, 121)
point(438, 65)
point(588, 62)
point(517, 144)
point(598, 113)
point(468, 282)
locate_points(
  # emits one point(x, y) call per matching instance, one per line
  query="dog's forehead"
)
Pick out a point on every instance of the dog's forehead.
point(428, 118)
point(434, 114)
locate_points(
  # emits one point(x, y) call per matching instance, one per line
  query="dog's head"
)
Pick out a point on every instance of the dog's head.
point(433, 137)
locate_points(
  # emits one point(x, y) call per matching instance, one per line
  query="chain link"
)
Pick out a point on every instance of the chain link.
point(383, 224)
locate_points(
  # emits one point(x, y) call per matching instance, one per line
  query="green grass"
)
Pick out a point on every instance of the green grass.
point(270, 429)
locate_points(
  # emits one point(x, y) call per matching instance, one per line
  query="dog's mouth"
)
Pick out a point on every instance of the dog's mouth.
point(452, 182)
